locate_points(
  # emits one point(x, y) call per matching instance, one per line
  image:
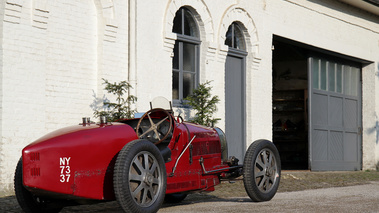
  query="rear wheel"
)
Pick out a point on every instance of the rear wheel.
point(27, 201)
point(261, 171)
point(140, 177)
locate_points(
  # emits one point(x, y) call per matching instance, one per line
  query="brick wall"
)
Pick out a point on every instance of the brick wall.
point(54, 54)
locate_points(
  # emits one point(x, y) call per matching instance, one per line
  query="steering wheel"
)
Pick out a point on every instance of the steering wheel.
point(153, 130)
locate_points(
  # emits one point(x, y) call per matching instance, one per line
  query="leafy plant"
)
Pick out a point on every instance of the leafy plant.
point(122, 107)
point(204, 104)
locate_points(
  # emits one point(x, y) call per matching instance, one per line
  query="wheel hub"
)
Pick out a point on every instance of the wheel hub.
point(148, 179)
point(269, 171)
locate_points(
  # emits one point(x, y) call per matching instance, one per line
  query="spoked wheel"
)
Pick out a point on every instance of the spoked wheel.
point(140, 177)
point(29, 202)
point(154, 131)
point(261, 171)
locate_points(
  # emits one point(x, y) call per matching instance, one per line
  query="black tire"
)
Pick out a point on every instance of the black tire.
point(261, 170)
point(175, 198)
point(140, 187)
point(29, 202)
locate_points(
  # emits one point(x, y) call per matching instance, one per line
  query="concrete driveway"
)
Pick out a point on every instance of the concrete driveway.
point(360, 198)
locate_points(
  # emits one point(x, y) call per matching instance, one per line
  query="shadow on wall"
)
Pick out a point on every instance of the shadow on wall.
point(98, 103)
point(184, 112)
point(375, 130)
point(346, 8)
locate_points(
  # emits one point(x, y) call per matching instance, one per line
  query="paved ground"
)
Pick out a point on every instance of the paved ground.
point(361, 198)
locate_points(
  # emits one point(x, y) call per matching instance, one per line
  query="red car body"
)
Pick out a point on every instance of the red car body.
point(138, 162)
point(78, 161)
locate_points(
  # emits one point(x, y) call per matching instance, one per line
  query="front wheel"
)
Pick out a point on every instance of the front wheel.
point(140, 177)
point(261, 171)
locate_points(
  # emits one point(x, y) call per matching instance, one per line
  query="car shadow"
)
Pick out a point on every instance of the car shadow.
point(204, 198)
point(9, 204)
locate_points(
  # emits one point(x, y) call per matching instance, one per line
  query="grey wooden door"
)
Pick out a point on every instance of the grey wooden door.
point(334, 115)
point(235, 105)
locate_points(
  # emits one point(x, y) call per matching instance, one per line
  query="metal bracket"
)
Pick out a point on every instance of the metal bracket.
point(217, 170)
point(177, 160)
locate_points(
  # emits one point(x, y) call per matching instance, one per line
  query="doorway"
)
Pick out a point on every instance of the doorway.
point(290, 100)
point(235, 104)
point(235, 117)
point(316, 108)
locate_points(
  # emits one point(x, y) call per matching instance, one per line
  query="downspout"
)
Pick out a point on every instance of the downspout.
point(99, 48)
point(2, 7)
point(132, 51)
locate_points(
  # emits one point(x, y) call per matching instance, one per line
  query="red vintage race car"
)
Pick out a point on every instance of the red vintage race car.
point(139, 162)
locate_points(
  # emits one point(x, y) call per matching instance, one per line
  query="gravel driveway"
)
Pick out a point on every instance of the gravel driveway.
point(360, 198)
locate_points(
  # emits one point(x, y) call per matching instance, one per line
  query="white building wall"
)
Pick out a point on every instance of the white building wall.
point(376, 117)
point(23, 85)
point(111, 47)
point(370, 157)
point(70, 66)
point(54, 54)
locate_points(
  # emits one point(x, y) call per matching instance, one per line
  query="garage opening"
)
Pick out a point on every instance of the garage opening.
point(317, 102)
point(290, 100)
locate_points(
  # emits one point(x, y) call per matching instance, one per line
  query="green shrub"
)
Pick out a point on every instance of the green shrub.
point(120, 109)
point(204, 104)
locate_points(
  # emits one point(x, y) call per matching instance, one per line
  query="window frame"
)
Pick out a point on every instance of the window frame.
point(180, 41)
point(343, 71)
point(241, 41)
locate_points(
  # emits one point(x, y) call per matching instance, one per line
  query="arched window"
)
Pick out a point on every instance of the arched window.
point(234, 37)
point(185, 63)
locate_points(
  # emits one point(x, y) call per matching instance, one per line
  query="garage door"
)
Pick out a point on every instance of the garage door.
point(334, 115)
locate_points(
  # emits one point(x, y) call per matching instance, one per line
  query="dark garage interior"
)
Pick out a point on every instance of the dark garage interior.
point(290, 99)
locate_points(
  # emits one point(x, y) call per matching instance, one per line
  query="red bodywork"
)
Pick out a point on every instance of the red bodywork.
point(77, 162)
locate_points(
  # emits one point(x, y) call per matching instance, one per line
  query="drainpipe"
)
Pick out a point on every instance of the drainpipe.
point(132, 51)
